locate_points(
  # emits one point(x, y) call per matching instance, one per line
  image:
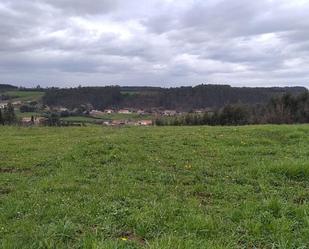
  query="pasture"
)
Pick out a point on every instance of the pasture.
point(25, 95)
point(154, 187)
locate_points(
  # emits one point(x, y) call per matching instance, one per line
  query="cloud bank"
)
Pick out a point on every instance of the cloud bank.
point(154, 42)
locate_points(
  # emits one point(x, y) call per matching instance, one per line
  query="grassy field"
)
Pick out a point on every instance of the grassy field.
point(90, 119)
point(80, 119)
point(154, 187)
point(114, 116)
point(25, 95)
point(26, 114)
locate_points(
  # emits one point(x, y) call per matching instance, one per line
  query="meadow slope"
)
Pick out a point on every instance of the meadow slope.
point(154, 187)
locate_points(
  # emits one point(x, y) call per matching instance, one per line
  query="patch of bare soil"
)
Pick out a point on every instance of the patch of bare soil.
point(12, 170)
point(204, 197)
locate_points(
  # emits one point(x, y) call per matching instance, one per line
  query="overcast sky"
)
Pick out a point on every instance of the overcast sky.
point(154, 42)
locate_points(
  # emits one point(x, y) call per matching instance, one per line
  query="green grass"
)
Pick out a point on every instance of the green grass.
point(114, 116)
point(26, 114)
point(89, 119)
point(25, 95)
point(130, 93)
point(80, 119)
point(154, 187)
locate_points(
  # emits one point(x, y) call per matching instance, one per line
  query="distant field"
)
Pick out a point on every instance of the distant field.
point(90, 119)
point(25, 95)
point(114, 116)
point(129, 92)
point(26, 114)
point(154, 187)
point(80, 119)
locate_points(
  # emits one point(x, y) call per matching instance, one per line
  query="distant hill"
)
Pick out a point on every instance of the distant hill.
point(180, 98)
point(6, 87)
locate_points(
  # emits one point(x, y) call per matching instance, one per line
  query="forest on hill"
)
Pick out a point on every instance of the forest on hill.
point(7, 87)
point(179, 98)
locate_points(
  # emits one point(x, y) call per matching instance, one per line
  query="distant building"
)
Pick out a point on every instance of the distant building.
point(145, 122)
point(39, 120)
point(118, 122)
point(16, 103)
point(127, 123)
point(3, 105)
point(34, 121)
point(199, 111)
point(107, 122)
point(63, 109)
point(169, 113)
point(124, 111)
point(96, 113)
point(140, 112)
point(26, 121)
point(109, 111)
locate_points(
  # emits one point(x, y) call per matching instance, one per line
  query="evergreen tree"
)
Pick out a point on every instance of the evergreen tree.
point(9, 116)
point(1, 118)
point(53, 120)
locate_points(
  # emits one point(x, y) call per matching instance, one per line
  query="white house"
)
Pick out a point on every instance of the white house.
point(169, 113)
point(144, 122)
point(96, 113)
point(109, 111)
point(124, 111)
point(3, 105)
point(140, 112)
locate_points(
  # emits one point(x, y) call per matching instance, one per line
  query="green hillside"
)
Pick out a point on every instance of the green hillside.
point(154, 187)
point(20, 95)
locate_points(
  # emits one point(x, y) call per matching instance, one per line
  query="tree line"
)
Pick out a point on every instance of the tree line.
point(96, 97)
point(286, 109)
point(179, 98)
point(7, 115)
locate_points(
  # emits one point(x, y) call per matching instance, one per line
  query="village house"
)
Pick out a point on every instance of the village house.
point(3, 105)
point(107, 122)
point(39, 120)
point(199, 111)
point(145, 122)
point(26, 121)
point(96, 113)
point(169, 113)
point(124, 111)
point(63, 109)
point(119, 122)
point(140, 112)
point(16, 103)
point(33, 121)
point(109, 111)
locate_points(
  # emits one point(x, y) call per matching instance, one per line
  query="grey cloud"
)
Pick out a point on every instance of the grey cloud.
point(154, 42)
point(82, 6)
